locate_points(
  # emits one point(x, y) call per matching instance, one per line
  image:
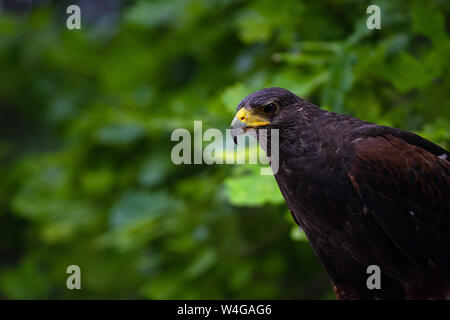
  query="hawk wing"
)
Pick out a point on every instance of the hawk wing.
point(406, 189)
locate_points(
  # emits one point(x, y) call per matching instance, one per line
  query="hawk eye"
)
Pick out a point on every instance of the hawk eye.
point(270, 108)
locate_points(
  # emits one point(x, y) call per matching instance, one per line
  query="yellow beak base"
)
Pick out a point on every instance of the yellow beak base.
point(250, 119)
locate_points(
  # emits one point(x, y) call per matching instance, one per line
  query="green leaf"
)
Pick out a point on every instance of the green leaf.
point(254, 27)
point(407, 73)
point(134, 206)
point(119, 134)
point(429, 21)
point(298, 234)
point(253, 190)
point(202, 263)
point(231, 96)
point(153, 171)
point(148, 14)
point(340, 81)
point(24, 282)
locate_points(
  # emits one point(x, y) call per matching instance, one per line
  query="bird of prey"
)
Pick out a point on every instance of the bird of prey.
point(363, 193)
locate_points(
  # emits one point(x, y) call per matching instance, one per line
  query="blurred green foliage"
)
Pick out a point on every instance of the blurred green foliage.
point(86, 118)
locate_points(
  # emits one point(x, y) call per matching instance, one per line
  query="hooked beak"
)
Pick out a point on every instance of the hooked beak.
point(237, 128)
point(245, 119)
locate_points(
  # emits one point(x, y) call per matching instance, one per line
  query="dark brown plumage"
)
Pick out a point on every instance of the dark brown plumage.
point(364, 194)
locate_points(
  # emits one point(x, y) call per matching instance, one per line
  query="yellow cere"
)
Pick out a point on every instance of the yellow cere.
point(251, 119)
